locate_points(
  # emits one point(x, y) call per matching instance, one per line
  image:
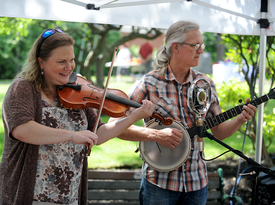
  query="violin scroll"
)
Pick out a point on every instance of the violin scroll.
point(162, 119)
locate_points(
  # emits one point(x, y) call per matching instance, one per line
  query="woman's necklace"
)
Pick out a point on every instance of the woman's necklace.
point(56, 102)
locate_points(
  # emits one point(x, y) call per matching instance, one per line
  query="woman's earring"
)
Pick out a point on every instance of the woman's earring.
point(42, 71)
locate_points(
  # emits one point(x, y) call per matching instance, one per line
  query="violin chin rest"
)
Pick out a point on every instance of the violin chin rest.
point(72, 78)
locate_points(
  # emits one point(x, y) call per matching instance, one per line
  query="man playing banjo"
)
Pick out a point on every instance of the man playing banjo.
point(167, 86)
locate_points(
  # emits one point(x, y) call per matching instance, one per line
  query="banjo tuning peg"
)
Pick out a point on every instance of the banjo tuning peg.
point(240, 101)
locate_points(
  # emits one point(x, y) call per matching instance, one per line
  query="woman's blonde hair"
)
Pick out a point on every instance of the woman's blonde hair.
point(31, 70)
point(175, 33)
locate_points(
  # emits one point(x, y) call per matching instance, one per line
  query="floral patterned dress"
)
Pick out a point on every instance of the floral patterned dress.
point(59, 165)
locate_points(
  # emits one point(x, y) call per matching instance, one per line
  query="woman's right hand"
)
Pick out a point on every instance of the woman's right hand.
point(85, 137)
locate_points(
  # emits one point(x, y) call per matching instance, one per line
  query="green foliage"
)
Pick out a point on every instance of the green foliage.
point(113, 36)
point(3, 89)
point(210, 40)
point(16, 37)
point(234, 90)
point(270, 71)
point(242, 48)
point(269, 130)
point(230, 93)
point(16, 27)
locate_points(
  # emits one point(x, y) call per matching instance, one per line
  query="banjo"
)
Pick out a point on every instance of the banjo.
point(165, 159)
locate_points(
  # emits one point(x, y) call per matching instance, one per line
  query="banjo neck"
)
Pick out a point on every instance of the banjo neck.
point(233, 112)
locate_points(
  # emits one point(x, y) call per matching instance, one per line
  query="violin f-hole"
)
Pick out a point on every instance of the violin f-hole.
point(89, 98)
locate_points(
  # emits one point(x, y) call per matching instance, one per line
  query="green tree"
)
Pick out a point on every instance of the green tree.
point(99, 40)
point(244, 51)
point(214, 45)
point(13, 32)
point(106, 38)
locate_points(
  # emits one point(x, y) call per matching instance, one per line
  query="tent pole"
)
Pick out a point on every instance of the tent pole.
point(259, 137)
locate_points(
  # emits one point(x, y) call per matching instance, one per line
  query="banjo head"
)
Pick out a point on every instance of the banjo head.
point(162, 158)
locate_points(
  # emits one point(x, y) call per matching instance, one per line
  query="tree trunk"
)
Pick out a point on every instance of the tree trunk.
point(87, 65)
point(266, 161)
point(99, 72)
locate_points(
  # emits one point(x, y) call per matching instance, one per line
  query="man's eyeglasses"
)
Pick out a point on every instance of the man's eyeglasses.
point(196, 46)
point(45, 35)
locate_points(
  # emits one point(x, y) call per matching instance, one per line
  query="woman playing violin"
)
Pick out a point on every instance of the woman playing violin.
point(44, 159)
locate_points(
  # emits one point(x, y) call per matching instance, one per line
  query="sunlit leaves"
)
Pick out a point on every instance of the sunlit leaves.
point(16, 27)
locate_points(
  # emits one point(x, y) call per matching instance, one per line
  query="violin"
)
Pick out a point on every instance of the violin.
point(81, 94)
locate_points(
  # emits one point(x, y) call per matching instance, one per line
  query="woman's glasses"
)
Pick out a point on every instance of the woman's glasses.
point(45, 35)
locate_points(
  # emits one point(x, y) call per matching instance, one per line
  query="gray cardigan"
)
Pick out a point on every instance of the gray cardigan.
point(22, 103)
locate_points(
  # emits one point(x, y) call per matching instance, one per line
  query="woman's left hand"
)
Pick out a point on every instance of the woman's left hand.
point(145, 110)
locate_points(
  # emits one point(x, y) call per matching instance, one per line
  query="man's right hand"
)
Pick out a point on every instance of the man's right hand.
point(170, 137)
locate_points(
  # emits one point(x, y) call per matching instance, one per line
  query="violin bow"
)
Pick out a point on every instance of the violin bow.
point(103, 97)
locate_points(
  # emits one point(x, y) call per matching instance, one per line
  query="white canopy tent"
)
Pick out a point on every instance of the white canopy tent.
point(217, 16)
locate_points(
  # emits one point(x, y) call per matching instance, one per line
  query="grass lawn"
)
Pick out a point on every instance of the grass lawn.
point(120, 153)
